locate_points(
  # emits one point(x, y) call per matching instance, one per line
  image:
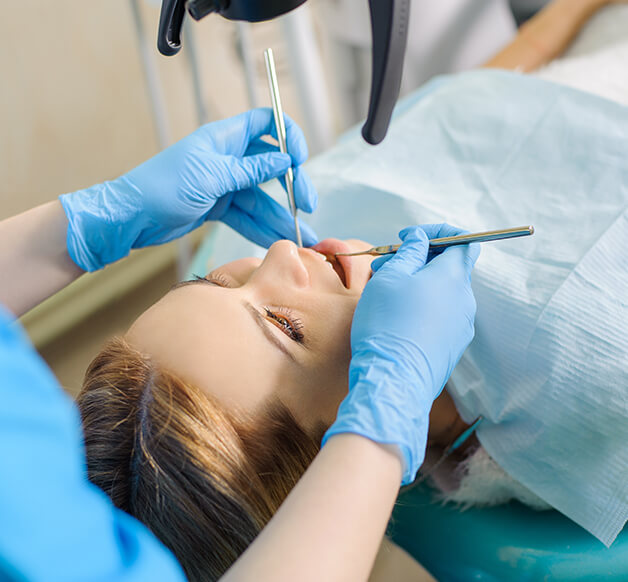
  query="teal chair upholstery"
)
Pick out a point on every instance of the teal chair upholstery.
point(508, 542)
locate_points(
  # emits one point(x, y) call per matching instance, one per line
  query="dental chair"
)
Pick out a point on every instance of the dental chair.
point(503, 543)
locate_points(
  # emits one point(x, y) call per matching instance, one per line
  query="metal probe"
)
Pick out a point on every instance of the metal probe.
point(281, 134)
point(449, 241)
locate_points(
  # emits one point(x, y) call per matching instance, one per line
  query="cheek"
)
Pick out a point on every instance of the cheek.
point(333, 333)
point(326, 382)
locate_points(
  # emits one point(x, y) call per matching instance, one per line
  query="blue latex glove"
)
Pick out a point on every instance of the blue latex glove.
point(212, 174)
point(56, 525)
point(411, 326)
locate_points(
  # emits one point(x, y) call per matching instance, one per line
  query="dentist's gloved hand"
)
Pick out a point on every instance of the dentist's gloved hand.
point(411, 326)
point(212, 174)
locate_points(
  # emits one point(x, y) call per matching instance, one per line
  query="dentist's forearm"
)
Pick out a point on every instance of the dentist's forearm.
point(34, 260)
point(332, 523)
point(547, 35)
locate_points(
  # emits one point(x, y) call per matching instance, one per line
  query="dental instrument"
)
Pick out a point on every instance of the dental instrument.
point(281, 134)
point(449, 241)
point(458, 442)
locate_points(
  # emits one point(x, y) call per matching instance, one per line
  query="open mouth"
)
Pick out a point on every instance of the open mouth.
point(341, 265)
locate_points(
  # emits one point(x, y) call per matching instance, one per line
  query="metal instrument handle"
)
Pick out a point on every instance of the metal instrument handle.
point(449, 241)
point(280, 124)
point(464, 239)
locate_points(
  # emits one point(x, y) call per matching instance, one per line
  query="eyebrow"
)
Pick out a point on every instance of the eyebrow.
point(193, 282)
point(259, 319)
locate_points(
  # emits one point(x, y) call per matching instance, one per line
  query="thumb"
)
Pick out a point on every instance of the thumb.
point(251, 171)
point(412, 254)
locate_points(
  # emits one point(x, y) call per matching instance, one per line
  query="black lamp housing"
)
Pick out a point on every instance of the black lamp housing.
point(389, 26)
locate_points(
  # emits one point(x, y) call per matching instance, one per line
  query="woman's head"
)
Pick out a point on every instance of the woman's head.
point(202, 419)
point(205, 480)
point(253, 330)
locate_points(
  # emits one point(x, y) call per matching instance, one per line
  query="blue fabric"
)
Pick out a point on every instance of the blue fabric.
point(55, 525)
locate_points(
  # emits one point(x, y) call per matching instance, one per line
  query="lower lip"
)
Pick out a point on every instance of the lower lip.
point(342, 265)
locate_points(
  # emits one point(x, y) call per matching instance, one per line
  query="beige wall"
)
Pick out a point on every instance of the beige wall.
point(75, 110)
point(74, 107)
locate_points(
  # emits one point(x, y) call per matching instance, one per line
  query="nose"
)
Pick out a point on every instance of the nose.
point(284, 265)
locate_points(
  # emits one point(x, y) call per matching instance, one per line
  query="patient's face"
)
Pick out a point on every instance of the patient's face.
point(253, 330)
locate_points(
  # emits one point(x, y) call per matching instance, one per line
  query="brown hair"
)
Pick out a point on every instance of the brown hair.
point(204, 480)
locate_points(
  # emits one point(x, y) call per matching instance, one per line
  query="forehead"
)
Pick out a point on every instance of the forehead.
point(206, 336)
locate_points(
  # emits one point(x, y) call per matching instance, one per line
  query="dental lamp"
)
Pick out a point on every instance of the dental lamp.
point(389, 25)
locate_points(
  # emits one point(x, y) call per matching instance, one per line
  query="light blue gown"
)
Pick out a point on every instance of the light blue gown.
point(55, 525)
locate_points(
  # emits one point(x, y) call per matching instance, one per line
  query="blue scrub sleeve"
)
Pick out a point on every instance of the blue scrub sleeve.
point(54, 524)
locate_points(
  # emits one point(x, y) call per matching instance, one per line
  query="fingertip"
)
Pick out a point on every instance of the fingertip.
point(297, 146)
point(433, 230)
point(413, 233)
point(412, 254)
point(460, 257)
point(404, 232)
point(473, 253)
point(379, 262)
point(297, 150)
point(305, 194)
point(440, 230)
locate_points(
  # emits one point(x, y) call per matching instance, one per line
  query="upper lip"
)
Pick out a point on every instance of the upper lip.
point(342, 265)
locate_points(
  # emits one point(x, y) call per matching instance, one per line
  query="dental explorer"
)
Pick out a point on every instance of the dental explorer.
point(448, 241)
point(281, 134)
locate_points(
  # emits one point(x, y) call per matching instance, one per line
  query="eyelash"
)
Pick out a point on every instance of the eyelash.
point(282, 317)
point(285, 320)
point(216, 278)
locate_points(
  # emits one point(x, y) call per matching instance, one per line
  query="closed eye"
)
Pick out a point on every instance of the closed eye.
point(285, 320)
point(216, 278)
point(277, 317)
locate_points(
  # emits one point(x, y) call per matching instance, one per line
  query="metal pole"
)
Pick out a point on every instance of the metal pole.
point(245, 48)
point(191, 52)
point(160, 115)
point(307, 69)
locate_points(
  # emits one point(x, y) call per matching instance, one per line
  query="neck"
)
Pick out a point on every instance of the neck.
point(445, 422)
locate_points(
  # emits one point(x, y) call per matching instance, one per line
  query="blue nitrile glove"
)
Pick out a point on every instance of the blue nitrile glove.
point(212, 174)
point(411, 326)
